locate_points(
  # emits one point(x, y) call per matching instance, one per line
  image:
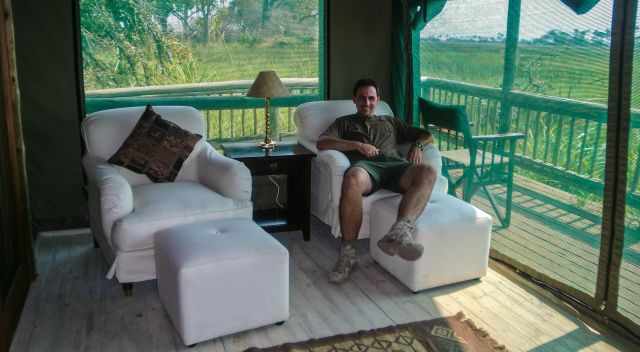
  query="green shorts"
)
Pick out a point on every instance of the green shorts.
point(385, 171)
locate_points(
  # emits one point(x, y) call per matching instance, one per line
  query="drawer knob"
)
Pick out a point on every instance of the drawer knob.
point(273, 166)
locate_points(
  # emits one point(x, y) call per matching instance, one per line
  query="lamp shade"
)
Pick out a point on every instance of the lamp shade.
point(267, 85)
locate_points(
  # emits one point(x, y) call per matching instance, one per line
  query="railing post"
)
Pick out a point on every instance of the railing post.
point(510, 58)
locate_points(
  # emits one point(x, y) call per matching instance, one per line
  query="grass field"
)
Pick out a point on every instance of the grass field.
point(225, 62)
point(580, 73)
point(556, 70)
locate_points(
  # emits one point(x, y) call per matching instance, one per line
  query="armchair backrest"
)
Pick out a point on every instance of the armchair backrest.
point(105, 131)
point(448, 124)
point(315, 117)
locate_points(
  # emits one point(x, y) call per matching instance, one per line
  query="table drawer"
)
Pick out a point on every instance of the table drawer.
point(265, 166)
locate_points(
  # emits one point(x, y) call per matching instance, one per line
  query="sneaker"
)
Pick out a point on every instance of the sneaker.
point(344, 266)
point(400, 241)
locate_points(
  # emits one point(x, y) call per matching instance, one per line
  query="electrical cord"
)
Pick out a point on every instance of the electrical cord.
point(270, 177)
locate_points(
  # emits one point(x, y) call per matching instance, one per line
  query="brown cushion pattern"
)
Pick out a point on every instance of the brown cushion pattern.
point(156, 147)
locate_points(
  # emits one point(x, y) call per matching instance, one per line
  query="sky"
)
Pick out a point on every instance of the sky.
point(487, 18)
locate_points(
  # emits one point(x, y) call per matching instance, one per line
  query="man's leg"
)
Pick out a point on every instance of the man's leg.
point(416, 185)
point(355, 184)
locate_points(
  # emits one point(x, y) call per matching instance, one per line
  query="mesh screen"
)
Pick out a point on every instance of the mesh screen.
point(465, 42)
point(181, 52)
point(558, 96)
point(130, 43)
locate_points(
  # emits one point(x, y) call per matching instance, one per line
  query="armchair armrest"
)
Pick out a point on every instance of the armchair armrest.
point(488, 150)
point(333, 164)
point(90, 165)
point(430, 155)
point(226, 176)
point(115, 195)
point(336, 160)
point(499, 136)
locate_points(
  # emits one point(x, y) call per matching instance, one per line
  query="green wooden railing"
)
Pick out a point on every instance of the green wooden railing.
point(565, 139)
point(564, 147)
point(229, 114)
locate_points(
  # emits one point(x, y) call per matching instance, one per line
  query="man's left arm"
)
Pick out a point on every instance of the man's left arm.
point(422, 136)
point(418, 137)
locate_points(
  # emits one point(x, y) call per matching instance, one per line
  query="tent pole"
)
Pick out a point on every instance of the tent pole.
point(510, 62)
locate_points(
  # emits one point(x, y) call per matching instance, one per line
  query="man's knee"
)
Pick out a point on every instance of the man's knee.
point(425, 175)
point(355, 180)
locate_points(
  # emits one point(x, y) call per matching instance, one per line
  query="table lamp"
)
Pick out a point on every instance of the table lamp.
point(267, 85)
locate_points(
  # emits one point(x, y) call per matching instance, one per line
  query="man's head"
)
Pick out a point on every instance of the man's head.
point(365, 96)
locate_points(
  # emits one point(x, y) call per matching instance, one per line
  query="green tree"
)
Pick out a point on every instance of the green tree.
point(161, 11)
point(263, 20)
point(206, 9)
point(184, 11)
point(123, 46)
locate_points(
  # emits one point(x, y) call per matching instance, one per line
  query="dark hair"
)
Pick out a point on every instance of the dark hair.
point(365, 82)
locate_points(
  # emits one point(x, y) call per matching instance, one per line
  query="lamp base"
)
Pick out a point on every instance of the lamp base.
point(267, 144)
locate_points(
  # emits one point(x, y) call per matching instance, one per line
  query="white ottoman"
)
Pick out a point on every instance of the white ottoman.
point(456, 237)
point(219, 277)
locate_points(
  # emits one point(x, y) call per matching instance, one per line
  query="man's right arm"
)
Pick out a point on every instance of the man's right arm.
point(344, 145)
point(327, 142)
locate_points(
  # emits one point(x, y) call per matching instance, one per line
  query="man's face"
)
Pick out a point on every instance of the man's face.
point(366, 100)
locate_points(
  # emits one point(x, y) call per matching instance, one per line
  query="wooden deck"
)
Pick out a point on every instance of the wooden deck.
point(72, 307)
point(561, 243)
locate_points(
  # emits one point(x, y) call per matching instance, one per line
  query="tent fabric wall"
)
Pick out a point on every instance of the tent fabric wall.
point(50, 105)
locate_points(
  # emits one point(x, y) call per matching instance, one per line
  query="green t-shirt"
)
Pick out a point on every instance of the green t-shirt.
point(383, 132)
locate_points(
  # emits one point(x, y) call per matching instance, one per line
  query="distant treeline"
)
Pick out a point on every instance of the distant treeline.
point(554, 36)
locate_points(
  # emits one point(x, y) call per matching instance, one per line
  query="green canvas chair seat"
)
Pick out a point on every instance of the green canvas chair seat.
point(472, 162)
point(462, 156)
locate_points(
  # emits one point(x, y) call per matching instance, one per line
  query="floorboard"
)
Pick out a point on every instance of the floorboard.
point(72, 307)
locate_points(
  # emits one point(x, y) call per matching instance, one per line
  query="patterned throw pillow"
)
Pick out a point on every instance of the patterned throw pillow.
point(156, 147)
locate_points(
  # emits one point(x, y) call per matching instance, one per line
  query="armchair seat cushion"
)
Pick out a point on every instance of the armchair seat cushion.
point(162, 205)
point(462, 156)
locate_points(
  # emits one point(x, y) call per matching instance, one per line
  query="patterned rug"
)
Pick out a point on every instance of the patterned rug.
point(450, 334)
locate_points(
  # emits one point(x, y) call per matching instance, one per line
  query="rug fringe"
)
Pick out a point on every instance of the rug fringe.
point(481, 332)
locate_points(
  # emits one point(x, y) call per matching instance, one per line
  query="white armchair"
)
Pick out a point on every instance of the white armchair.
point(328, 168)
point(126, 209)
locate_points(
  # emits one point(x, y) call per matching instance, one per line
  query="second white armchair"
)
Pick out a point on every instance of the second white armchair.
point(328, 168)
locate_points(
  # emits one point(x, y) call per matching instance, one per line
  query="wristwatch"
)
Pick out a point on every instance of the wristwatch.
point(418, 145)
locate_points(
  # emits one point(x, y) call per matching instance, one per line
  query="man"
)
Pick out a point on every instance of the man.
point(370, 142)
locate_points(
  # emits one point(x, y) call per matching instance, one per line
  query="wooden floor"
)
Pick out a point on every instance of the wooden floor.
point(565, 248)
point(72, 307)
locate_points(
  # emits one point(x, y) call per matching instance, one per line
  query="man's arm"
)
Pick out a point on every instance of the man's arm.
point(422, 138)
point(344, 145)
point(327, 142)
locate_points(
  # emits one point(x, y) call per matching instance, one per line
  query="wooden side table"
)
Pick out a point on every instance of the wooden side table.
point(292, 160)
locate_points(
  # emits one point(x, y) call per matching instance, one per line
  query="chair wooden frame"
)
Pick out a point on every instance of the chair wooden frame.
point(484, 160)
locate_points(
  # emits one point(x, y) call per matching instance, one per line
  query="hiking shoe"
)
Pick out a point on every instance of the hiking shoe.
point(344, 266)
point(400, 241)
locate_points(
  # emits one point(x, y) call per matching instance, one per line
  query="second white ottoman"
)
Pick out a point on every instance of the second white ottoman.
point(456, 237)
point(219, 277)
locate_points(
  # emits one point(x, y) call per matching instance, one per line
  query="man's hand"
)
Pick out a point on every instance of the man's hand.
point(415, 155)
point(368, 150)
